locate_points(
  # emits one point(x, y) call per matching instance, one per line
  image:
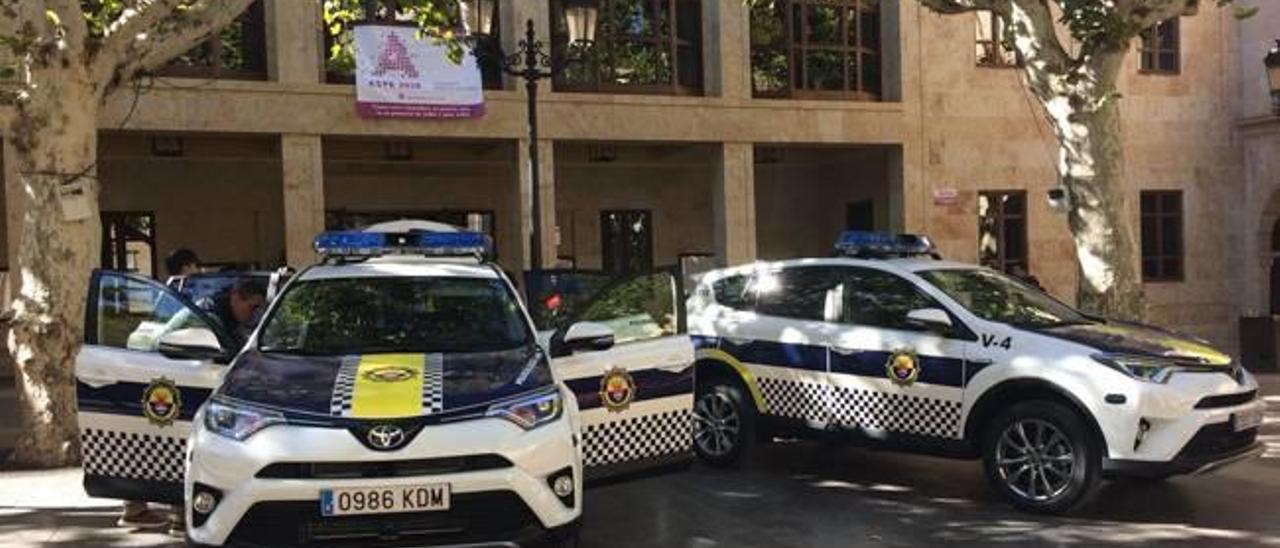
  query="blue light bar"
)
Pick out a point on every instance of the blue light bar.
point(862, 243)
point(374, 244)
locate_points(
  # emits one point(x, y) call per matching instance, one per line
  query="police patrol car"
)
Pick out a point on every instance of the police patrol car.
point(897, 349)
point(394, 394)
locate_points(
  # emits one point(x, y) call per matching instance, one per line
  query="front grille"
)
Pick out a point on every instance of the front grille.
point(1229, 400)
point(383, 469)
point(473, 518)
point(1218, 439)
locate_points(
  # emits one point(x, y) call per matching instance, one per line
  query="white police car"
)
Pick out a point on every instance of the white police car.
point(894, 348)
point(394, 395)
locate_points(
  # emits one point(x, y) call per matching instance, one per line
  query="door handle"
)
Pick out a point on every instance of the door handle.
point(846, 351)
point(96, 381)
point(982, 361)
point(736, 341)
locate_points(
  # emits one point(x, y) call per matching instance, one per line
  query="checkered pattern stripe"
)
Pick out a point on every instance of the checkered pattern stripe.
point(344, 387)
point(867, 409)
point(637, 438)
point(903, 413)
point(433, 384)
point(133, 456)
point(794, 399)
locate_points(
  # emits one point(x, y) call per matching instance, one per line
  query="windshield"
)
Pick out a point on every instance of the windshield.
point(382, 315)
point(995, 297)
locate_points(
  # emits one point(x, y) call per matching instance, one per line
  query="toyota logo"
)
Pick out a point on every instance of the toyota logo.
point(386, 437)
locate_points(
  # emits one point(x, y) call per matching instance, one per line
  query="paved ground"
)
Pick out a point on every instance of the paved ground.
point(802, 494)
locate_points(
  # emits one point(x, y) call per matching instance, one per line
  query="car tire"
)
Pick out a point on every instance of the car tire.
point(569, 541)
point(1042, 457)
point(724, 423)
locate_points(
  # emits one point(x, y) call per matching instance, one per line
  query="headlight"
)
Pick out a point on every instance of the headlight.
point(238, 422)
point(531, 411)
point(1143, 368)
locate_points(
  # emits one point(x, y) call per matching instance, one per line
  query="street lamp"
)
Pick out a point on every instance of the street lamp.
point(531, 62)
point(1273, 76)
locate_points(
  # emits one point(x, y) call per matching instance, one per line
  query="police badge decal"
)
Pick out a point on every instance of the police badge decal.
point(161, 402)
point(617, 390)
point(903, 367)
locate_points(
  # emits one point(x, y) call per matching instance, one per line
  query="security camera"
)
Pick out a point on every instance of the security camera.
point(1059, 200)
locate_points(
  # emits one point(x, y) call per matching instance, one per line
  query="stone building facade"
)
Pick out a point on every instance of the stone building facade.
point(929, 131)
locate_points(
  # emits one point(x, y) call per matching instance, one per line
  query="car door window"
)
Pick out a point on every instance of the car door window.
point(133, 313)
point(799, 293)
point(637, 308)
point(875, 298)
point(733, 292)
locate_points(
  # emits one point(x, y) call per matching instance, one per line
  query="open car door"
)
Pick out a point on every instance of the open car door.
point(635, 395)
point(150, 359)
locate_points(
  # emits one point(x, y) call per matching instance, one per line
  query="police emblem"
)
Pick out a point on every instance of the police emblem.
point(617, 390)
point(390, 374)
point(161, 402)
point(903, 368)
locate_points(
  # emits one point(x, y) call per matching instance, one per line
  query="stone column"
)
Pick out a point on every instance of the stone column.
point(14, 200)
point(546, 167)
point(302, 177)
point(726, 24)
point(294, 41)
point(734, 203)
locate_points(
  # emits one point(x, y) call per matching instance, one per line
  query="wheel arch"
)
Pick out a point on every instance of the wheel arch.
point(1014, 391)
point(713, 366)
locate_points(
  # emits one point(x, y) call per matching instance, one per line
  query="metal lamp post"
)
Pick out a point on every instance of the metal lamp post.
point(533, 63)
point(1273, 76)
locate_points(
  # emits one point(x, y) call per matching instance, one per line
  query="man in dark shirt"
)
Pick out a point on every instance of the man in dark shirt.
point(239, 309)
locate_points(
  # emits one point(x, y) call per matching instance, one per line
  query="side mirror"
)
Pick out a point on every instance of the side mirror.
point(192, 343)
point(932, 319)
point(587, 337)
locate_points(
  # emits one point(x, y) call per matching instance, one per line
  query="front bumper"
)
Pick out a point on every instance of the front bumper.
point(1183, 426)
point(268, 486)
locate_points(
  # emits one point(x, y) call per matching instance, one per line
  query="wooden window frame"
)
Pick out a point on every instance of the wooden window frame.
point(995, 48)
point(855, 89)
point(1150, 49)
point(1162, 200)
point(1002, 261)
point(253, 41)
point(669, 42)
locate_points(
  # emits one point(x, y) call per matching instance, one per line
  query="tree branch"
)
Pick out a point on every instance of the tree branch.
point(178, 26)
point(962, 6)
point(71, 18)
point(1145, 14)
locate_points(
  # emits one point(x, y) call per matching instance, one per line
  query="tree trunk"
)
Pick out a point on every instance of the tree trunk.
point(1092, 171)
point(54, 133)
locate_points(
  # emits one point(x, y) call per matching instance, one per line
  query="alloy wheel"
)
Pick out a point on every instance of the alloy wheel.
point(716, 424)
point(1035, 460)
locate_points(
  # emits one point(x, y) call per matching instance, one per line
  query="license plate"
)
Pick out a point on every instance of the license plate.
point(354, 501)
point(1248, 419)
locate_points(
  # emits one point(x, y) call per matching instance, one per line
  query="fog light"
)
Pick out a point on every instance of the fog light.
point(1143, 427)
point(563, 486)
point(203, 502)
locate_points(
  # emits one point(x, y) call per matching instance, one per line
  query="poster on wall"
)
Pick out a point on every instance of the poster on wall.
point(399, 75)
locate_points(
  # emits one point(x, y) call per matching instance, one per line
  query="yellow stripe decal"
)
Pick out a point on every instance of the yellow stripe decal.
point(747, 378)
point(388, 386)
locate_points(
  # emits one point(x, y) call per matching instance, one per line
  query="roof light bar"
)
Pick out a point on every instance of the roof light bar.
point(374, 244)
point(863, 244)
